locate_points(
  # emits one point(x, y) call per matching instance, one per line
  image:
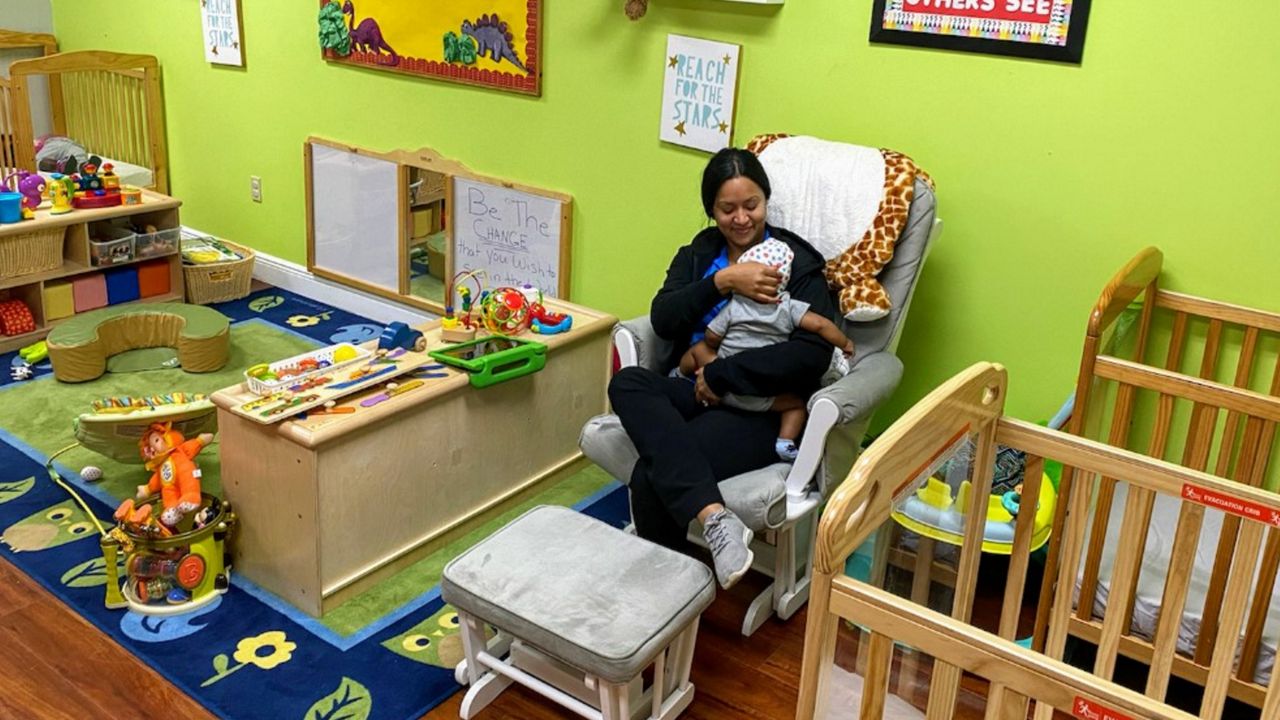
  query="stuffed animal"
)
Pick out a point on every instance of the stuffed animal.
point(171, 458)
point(855, 229)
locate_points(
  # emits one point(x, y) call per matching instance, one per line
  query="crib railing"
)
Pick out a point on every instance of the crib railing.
point(109, 102)
point(1172, 377)
point(915, 448)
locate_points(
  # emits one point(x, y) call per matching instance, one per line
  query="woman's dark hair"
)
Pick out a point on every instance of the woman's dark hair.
point(728, 164)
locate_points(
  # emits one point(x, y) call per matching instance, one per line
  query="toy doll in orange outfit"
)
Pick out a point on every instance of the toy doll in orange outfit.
point(171, 458)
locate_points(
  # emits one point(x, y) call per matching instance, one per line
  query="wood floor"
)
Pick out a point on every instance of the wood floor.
point(56, 665)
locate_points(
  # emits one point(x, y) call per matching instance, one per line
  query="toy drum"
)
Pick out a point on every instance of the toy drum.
point(175, 574)
point(130, 195)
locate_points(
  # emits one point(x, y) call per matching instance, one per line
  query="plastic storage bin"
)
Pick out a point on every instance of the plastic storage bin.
point(160, 242)
point(122, 285)
point(110, 246)
point(279, 375)
point(58, 300)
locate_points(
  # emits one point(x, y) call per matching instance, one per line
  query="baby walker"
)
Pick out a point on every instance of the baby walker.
point(180, 564)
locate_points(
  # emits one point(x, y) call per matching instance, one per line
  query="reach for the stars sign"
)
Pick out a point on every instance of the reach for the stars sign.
point(699, 88)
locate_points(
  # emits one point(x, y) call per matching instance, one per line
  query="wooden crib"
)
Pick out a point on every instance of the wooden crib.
point(111, 103)
point(19, 44)
point(916, 448)
point(1170, 390)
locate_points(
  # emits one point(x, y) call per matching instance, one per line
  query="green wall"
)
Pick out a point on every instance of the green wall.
point(1049, 176)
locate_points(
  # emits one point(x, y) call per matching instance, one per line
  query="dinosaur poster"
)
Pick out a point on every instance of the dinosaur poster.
point(494, 43)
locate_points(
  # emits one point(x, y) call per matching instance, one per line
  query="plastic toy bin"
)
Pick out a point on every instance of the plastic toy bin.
point(109, 245)
point(160, 242)
point(279, 375)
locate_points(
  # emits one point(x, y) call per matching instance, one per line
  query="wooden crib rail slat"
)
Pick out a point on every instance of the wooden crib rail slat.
point(945, 683)
point(1020, 557)
point(1227, 312)
point(1233, 607)
point(1005, 704)
point(1120, 423)
point(1246, 469)
point(1244, 369)
point(1195, 389)
point(1044, 680)
point(1177, 580)
point(1264, 588)
point(1123, 582)
point(1271, 706)
point(875, 686)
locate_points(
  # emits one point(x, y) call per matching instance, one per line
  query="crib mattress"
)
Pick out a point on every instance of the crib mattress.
point(130, 174)
point(1155, 562)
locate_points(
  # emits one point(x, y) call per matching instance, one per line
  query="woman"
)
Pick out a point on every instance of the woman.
point(687, 441)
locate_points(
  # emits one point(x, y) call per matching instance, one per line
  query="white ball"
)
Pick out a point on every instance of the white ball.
point(91, 473)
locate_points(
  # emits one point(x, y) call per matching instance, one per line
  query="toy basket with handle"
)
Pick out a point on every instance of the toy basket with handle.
point(220, 282)
point(301, 368)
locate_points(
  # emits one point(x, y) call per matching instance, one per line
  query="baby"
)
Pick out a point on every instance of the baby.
point(744, 324)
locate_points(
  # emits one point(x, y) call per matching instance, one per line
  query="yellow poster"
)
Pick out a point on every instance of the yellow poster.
point(480, 42)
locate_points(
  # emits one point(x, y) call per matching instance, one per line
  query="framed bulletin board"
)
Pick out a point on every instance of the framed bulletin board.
point(1041, 29)
point(493, 43)
point(515, 234)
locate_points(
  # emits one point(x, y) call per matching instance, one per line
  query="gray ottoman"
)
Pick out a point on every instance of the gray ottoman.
point(581, 609)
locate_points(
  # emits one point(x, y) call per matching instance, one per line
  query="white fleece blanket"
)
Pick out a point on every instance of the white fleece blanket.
point(804, 170)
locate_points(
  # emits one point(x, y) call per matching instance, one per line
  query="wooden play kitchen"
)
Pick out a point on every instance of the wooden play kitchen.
point(54, 266)
point(381, 472)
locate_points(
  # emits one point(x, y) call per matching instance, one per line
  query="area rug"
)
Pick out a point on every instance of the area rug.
point(386, 653)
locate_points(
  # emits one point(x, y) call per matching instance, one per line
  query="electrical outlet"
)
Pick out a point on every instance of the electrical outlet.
point(255, 188)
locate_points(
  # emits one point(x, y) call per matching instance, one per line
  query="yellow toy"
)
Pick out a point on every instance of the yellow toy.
point(61, 191)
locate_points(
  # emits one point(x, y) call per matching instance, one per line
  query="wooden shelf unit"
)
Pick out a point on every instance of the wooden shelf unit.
point(156, 209)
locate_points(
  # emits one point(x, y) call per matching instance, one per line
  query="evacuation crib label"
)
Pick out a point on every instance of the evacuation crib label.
point(1228, 503)
point(1090, 710)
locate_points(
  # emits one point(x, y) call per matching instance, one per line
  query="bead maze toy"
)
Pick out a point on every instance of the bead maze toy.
point(173, 568)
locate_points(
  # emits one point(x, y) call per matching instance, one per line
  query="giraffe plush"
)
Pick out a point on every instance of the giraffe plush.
point(855, 231)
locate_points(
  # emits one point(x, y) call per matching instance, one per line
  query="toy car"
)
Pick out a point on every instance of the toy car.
point(399, 335)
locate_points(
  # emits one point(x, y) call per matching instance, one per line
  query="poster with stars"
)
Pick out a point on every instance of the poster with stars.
point(220, 29)
point(699, 90)
point(1041, 29)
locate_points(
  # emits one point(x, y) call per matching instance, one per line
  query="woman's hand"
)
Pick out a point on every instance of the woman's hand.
point(752, 280)
point(702, 391)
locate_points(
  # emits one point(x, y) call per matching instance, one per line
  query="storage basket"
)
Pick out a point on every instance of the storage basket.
point(300, 368)
point(220, 282)
point(31, 252)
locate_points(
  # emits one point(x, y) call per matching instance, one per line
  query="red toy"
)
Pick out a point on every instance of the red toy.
point(171, 458)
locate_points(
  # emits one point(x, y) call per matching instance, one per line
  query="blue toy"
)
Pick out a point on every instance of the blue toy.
point(399, 335)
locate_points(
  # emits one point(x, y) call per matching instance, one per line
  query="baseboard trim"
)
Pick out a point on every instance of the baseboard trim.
point(296, 278)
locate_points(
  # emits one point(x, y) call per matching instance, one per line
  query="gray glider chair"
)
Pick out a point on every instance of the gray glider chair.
point(780, 502)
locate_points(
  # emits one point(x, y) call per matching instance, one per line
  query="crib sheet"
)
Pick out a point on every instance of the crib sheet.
point(1155, 562)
